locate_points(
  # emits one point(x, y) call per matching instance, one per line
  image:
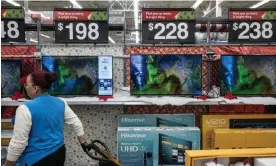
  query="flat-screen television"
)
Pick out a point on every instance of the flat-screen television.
point(10, 77)
point(248, 75)
point(167, 123)
point(77, 75)
point(166, 74)
point(252, 123)
point(172, 150)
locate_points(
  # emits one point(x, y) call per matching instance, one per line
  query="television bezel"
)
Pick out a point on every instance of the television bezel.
point(178, 95)
point(21, 87)
point(85, 56)
point(243, 95)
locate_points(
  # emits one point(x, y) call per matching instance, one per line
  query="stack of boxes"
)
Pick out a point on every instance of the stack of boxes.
point(150, 140)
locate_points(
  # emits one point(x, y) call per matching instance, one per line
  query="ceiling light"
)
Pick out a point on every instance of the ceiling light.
point(197, 3)
point(110, 39)
point(46, 36)
point(13, 3)
point(76, 4)
point(259, 4)
point(32, 40)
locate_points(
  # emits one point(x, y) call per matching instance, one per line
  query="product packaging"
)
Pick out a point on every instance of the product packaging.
point(152, 146)
point(157, 120)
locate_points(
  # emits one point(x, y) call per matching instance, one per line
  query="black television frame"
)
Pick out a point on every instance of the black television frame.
point(97, 82)
point(160, 95)
point(21, 87)
point(243, 95)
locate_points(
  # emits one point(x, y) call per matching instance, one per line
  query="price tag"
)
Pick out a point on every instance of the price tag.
point(12, 25)
point(168, 27)
point(252, 26)
point(81, 26)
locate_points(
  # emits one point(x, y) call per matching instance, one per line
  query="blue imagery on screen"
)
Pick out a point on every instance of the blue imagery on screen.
point(10, 77)
point(166, 74)
point(76, 75)
point(248, 75)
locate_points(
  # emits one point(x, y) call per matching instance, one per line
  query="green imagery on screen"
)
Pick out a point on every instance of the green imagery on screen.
point(248, 75)
point(166, 74)
point(76, 75)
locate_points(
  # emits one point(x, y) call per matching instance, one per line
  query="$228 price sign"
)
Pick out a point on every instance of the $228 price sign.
point(168, 32)
point(252, 31)
point(81, 32)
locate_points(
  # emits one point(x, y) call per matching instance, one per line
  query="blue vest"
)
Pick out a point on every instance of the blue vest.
point(46, 134)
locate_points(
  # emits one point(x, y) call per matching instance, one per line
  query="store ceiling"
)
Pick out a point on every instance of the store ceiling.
point(124, 8)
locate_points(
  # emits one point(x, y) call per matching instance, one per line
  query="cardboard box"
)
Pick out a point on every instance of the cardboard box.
point(265, 161)
point(194, 155)
point(243, 138)
point(154, 146)
point(157, 120)
point(228, 139)
point(210, 122)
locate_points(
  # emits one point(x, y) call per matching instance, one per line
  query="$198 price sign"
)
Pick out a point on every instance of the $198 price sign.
point(81, 32)
point(168, 32)
point(252, 31)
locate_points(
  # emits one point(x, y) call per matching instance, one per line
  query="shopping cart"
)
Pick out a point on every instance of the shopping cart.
point(101, 149)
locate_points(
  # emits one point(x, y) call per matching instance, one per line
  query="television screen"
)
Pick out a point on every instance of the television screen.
point(76, 75)
point(252, 123)
point(248, 75)
point(172, 150)
point(168, 123)
point(165, 74)
point(10, 77)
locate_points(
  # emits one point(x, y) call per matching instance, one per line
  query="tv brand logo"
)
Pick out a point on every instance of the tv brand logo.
point(133, 120)
point(216, 121)
point(126, 135)
point(133, 148)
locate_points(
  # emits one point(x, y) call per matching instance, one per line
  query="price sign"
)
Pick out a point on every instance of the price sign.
point(252, 26)
point(81, 26)
point(12, 25)
point(168, 27)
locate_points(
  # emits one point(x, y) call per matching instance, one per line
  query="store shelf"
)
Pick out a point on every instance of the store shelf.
point(6, 134)
point(126, 99)
point(6, 120)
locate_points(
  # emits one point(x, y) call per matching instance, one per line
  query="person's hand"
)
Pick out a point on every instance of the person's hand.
point(85, 146)
point(9, 163)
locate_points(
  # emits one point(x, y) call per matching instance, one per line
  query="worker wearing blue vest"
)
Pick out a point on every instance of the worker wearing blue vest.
point(38, 138)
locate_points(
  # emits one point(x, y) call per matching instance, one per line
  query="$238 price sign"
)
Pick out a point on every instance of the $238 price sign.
point(252, 31)
point(12, 30)
point(168, 32)
point(81, 32)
